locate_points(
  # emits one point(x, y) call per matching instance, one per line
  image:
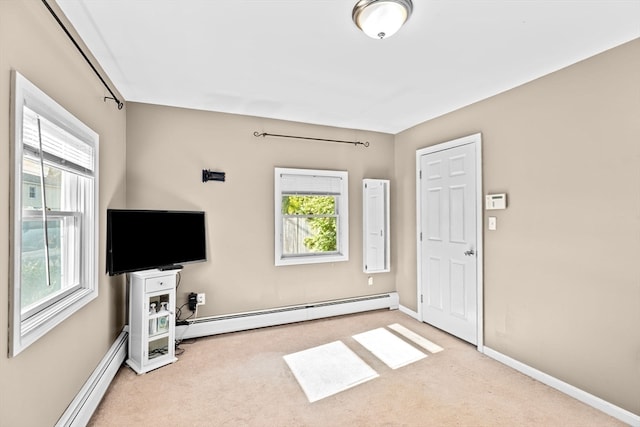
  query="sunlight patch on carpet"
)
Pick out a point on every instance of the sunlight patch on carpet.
point(387, 347)
point(420, 340)
point(328, 369)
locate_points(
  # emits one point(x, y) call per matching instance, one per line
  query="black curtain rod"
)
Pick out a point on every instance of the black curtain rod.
point(264, 134)
point(113, 95)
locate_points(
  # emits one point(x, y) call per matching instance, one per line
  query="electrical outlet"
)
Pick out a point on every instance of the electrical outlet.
point(201, 299)
point(370, 281)
point(193, 301)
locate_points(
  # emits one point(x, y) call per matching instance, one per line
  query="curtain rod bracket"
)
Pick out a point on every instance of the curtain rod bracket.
point(265, 134)
point(120, 104)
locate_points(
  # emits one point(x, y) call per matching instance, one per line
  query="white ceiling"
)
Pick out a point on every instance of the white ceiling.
point(305, 60)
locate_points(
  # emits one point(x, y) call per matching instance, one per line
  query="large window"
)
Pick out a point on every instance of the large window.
point(311, 216)
point(54, 254)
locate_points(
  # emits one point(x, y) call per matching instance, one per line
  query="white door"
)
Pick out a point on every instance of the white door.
point(448, 242)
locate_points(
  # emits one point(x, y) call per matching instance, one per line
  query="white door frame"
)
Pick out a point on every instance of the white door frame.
point(476, 141)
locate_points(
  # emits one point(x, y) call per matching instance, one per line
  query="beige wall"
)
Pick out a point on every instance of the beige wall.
point(167, 148)
point(37, 385)
point(562, 277)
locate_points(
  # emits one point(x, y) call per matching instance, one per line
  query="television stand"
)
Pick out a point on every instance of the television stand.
point(151, 320)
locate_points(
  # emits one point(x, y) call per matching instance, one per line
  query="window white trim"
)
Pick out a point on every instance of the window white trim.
point(312, 182)
point(26, 328)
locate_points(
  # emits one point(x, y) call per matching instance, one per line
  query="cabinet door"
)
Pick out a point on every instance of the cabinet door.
point(375, 209)
point(158, 325)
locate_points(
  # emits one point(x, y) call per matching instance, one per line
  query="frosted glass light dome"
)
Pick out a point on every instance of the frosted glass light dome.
point(381, 18)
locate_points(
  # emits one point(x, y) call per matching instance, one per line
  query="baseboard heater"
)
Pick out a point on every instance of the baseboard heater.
point(280, 316)
point(86, 401)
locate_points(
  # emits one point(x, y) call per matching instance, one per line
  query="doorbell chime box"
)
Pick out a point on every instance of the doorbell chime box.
point(495, 201)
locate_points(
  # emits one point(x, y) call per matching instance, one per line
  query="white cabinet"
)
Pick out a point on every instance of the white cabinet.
point(152, 301)
point(376, 238)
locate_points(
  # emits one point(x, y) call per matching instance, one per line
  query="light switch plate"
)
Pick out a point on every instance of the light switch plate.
point(493, 223)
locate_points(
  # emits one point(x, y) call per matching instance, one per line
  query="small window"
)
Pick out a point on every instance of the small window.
point(311, 216)
point(54, 254)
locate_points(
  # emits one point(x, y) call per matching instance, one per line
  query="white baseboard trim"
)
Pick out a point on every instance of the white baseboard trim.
point(283, 315)
point(86, 401)
point(578, 394)
point(409, 312)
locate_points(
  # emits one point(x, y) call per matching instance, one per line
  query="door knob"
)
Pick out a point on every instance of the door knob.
point(469, 252)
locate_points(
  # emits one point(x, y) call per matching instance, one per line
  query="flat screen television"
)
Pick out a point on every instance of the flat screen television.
point(147, 239)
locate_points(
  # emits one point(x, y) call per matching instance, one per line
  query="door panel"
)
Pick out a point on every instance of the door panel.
point(458, 306)
point(375, 225)
point(434, 227)
point(434, 292)
point(448, 247)
point(456, 214)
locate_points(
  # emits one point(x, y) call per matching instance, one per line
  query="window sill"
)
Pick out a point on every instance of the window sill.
point(38, 325)
point(314, 259)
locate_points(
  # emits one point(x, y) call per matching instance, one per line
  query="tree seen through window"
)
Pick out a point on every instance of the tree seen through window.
point(309, 224)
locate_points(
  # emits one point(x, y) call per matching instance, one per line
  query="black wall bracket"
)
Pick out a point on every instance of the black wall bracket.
point(208, 175)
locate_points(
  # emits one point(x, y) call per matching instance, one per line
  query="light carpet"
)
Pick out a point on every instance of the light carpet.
point(393, 351)
point(243, 381)
point(328, 369)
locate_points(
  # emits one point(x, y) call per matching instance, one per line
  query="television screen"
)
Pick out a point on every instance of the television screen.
point(147, 239)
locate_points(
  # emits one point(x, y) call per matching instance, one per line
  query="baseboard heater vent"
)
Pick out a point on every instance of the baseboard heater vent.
point(280, 316)
point(86, 401)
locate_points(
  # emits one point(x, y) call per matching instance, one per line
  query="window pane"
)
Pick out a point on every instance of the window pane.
point(309, 225)
point(60, 191)
point(308, 235)
point(308, 205)
point(63, 247)
point(34, 275)
point(31, 184)
point(53, 187)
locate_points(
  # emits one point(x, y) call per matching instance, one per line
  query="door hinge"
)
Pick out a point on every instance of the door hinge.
point(420, 174)
point(421, 299)
point(421, 236)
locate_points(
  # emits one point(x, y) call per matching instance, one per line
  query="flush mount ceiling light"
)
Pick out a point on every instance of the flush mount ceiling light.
point(380, 19)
